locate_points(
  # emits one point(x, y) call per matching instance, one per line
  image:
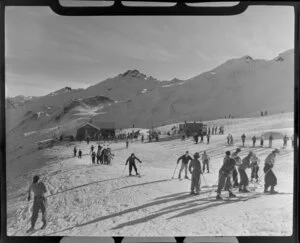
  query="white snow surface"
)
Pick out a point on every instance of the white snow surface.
point(99, 200)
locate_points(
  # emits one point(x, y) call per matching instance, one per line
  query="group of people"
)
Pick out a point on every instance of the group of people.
point(201, 135)
point(79, 152)
point(262, 138)
point(103, 155)
point(214, 130)
point(228, 174)
point(232, 166)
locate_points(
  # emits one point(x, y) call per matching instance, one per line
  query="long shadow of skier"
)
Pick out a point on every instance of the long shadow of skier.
point(125, 212)
point(192, 207)
point(142, 184)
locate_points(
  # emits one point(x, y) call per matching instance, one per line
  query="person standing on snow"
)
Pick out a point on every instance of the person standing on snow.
point(75, 151)
point(262, 140)
point(39, 202)
point(184, 164)
point(243, 139)
point(244, 181)
point(234, 171)
point(131, 161)
point(92, 149)
point(93, 155)
point(127, 143)
point(225, 176)
point(205, 161)
point(270, 178)
point(228, 138)
point(285, 139)
point(195, 170)
point(208, 138)
point(254, 140)
point(270, 141)
point(201, 136)
point(99, 154)
point(254, 167)
point(79, 154)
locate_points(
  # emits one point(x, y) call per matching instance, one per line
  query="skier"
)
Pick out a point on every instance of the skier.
point(93, 155)
point(127, 143)
point(254, 167)
point(243, 139)
point(231, 139)
point(92, 149)
point(244, 181)
point(224, 176)
point(202, 136)
point(234, 171)
point(285, 139)
point(270, 178)
point(79, 154)
point(131, 161)
point(184, 164)
point(208, 131)
point(195, 170)
point(208, 138)
point(212, 131)
point(99, 154)
point(228, 138)
point(262, 140)
point(75, 151)
point(110, 156)
point(254, 140)
point(270, 141)
point(205, 161)
point(88, 139)
point(142, 138)
point(216, 130)
point(196, 138)
point(39, 202)
point(220, 130)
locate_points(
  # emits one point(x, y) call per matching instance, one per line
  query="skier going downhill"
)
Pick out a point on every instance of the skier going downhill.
point(224, 176)
point(131, 161)
point(195, 170)
point(39, 201)
point(184, 164)
point(270, 178)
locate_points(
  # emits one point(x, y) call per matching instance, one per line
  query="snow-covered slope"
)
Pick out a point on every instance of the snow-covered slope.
point(86, 200)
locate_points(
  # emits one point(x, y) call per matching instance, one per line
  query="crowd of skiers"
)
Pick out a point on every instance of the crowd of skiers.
point(101, 156)
point(232, 166)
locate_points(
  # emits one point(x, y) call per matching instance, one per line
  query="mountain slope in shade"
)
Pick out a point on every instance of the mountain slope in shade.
point(241, 87)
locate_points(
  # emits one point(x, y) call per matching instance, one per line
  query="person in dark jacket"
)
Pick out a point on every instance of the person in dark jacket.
point(196, 138)
point(285, 139)
point(131, 161)
point(205, 161)
point(184, 164)
point(127, 143)
point(93, 155)
point(225, 175)
point(262, 140)
point(79, 154)
point(39, 202)
point(234, 172)
point(243, 139)
point(270, 141)
point(201, 136)
point(254, 140)
point(208, 138)
point(244, 181)
point(92, 149)
point(270, 178)
point(195, 170)
point(75, 151)
point(99, 154)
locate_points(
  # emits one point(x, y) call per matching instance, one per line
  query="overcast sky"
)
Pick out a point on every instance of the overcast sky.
point(45, 52)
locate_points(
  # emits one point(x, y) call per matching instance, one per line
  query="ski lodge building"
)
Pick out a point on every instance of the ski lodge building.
point(191, 128)
point(96, 131)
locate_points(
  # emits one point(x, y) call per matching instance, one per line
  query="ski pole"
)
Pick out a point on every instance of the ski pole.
point(124, 169)
point(204, 179)
point(174, 171)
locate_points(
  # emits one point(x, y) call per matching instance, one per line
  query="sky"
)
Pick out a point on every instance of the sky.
point(45, 52)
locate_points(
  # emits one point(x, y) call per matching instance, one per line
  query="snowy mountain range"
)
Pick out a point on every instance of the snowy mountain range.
point(240, 87)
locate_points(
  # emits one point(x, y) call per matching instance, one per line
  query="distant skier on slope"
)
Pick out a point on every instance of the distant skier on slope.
point(262, 140)
point(254, 140)
point(39, 202)
point(75, 151)
point(234, 171)
point(270, 178)
point(243, 139)
point(270, 141)
point(79, 154)
point(208, 138)
point(131, 161)
point(225, 176)
point(285, 139)
point(228, 138)
point(184, 164)
point(195, 170)
point(99, 154)
point(127, 143)
point(205, 161)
